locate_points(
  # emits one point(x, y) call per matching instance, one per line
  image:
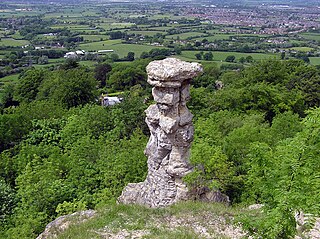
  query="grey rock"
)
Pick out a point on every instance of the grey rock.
point(171, 72)
point(62, 223)
point(170, 125)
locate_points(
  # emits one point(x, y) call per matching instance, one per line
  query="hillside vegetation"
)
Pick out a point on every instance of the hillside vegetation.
point(257, 140)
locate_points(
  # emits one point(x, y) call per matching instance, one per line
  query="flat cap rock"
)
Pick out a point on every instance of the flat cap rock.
point(171, 72)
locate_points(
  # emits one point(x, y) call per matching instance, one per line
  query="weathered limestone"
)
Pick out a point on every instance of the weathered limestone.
point(170, 124)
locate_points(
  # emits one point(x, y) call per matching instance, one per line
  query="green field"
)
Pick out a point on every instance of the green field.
point(118, 48)
point(215, 37)
point(123, 49)
point(160, 28)
point(93, 38)
point(75, 27)
point(304, 49)
point(184, 36)
point(221, 56)
point(315, 60)
point(10, 13)
point(117, 25)
point(311, 36)
point(13, 42)
point(146, 33)
point(101, 45)
point(10, 78)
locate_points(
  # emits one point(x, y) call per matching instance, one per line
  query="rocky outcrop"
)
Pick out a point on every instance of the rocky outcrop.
point(170, 124)
point(54, 228)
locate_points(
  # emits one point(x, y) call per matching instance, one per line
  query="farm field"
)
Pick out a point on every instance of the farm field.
point(315, 60)
point(186, 35)
point(161, 28)
point(221, 56)
point(115, 25)
point(303, 49)
point(118, 47)
point(100, 45)
point(146, 33)
point(215, 37)
point(13, 42)
point(311, 36)
point(94, 38)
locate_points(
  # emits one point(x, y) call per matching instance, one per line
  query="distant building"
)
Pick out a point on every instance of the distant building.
point(75, 54)
point(108, 100)
point(104, 51)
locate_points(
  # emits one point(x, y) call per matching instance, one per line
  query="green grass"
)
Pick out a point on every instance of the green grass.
point(74, 27)
point(10, 78)
point(177, 221)
point(17, 36)
point(311, 36)
point(87, 63)
point(161, 28)
point(13, 42)
point(215, 37)
point(123, 49)
point(221, 56)
point(303, 49)
point(315, 60)
point(113, 25)
point(101, 45)
point(186, 35)
point(118, 48)
point(94, 37)
point(147, 33)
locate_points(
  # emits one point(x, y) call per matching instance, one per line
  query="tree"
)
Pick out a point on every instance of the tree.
point(28, 86)
point(8, 201)
point(7, 97)
point(70, 63)
point(242, 60)
point(100, 73)
point(208, 56)
point(130, 56)
point(43, 60)
point(286, 180)
point(70, 88)
point(116, 35)
point(197, 44)
point(249, 59)
point(125, 76)
point(198, 56)
point(177, 50)
point(230, 58)
point(114, 57)
point(144, 55)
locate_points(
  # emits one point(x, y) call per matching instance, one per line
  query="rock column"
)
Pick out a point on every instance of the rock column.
point(170, 124)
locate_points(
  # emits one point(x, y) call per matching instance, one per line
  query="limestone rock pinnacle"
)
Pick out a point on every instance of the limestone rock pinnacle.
point(170, 124)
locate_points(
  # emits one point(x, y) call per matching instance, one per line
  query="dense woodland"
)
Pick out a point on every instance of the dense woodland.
point(257, 140)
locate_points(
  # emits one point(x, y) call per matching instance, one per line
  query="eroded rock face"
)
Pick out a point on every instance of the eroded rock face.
point(170, 124)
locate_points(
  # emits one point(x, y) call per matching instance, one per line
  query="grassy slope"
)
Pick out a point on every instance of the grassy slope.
point(184, 220)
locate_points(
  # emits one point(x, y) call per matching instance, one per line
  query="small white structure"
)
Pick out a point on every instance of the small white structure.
point(74, 54)
point(80, 52)
point(108, 100)
point(104, 51)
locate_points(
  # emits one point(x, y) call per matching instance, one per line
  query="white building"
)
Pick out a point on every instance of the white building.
point(108, 100)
